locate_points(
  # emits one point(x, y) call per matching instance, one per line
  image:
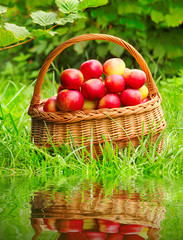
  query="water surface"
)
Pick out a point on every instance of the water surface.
point(72, 208)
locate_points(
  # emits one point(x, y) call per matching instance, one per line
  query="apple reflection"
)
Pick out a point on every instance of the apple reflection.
point(91, 215)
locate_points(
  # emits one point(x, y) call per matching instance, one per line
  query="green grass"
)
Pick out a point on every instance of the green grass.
point(19, 156)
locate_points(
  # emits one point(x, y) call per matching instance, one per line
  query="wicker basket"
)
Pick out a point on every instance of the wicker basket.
point(121, 125)
point(122, 207)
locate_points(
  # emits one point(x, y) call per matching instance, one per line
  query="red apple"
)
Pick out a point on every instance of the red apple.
point(70, 100)
point(115, 236)
point(131, 97)
point(108, 226)
point(71, 226)
point(110, 100)
point(50, 223)
point(95, 235)
point(115, 83)
point(114, 66)
point(89, 104)
point(135, 78)
point(50, 105)
point(103, 221)
point(101, 79)
point(91, 69)
point(133, 237)
point(73, 236)
point(145, 100)
point(126, 70)
point(60, 88)
point(93, 89)
point(71, 79)
point(128, 229)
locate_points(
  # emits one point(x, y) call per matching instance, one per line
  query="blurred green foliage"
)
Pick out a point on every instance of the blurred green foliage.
point(68, 12)
point(154, 28)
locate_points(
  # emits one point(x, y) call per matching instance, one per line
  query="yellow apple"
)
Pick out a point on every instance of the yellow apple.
point(144, 91)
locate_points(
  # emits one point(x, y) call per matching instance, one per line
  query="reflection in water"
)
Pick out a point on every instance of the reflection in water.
point(91, 215)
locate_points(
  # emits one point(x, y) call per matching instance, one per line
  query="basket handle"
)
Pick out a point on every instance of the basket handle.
point(37, 90)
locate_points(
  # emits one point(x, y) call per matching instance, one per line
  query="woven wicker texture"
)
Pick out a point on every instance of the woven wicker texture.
point(120, 207)
point(120, 125)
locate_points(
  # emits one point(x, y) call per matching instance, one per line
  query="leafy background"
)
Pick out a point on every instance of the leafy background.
point(154, 28)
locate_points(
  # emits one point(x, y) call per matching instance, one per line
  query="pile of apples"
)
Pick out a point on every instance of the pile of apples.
point(96, 229)
point(85, 89)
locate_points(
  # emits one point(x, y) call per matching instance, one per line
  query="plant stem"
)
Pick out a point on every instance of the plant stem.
point(18, 44)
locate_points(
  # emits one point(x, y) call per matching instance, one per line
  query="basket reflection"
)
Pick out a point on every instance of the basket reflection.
point(90, 215)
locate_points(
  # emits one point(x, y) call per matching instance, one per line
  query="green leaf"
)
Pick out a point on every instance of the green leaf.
point(129, 7)
point(42, 18)
point(52, 33)
point(40, 32)
point(144, 2)
point(175, 18)
point(115, 49)
point(20, 32)
point(37, 33)
point(102, 50)
point(62, 30)
point(91, 3)
point(63, 21)
point(70, 18)
point(132, 22)
point(79, 25)
point(159, 51)
point(102, 21)
point(157, 16)
point(3, 9)
point(7, 38)
point(80, 47)
point(104, 16)
point(22, 57)
point(67, 6)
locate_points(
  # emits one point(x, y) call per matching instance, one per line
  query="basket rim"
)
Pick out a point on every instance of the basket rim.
point(124, 218)
point(79, 115)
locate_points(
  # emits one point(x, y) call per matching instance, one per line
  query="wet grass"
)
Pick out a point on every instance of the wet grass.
point(19, 156)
